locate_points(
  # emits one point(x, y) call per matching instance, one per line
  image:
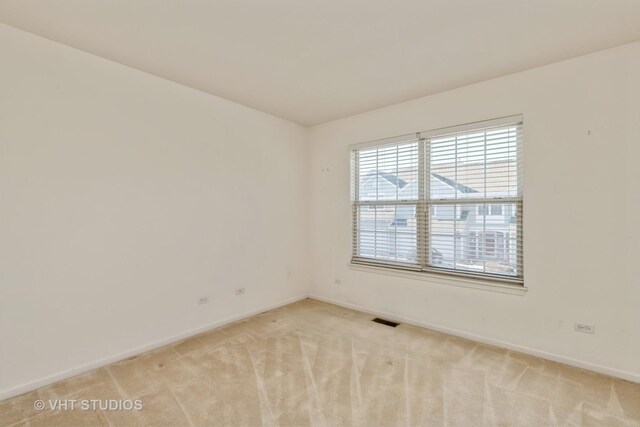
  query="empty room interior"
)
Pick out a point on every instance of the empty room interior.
point(319, 213)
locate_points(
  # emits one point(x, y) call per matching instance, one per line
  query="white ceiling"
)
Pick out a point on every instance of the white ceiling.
point(311, 61)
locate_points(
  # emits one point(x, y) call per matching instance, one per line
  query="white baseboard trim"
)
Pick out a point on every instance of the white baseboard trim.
point(625, 375)
point(25, 388)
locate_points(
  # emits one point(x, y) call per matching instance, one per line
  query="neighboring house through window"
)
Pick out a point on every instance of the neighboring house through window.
point(490, 209)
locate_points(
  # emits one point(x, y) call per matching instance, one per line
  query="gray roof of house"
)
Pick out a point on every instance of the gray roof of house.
point(393, 179)
point(451, 183)
point(400, 183)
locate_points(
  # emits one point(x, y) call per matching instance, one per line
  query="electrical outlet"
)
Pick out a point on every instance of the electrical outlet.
point(240, 291)
point(203, 300)
point(584, 328)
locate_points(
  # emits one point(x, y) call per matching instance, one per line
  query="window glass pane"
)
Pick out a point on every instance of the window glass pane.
point(466, 240)
point(388, 173)
point(476, 164)
point(387, 232)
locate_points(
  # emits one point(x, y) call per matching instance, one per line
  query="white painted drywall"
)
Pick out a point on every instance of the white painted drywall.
point(581, 210)
point(124, 198)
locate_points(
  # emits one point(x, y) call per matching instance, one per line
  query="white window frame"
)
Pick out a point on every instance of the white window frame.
point(424, 205)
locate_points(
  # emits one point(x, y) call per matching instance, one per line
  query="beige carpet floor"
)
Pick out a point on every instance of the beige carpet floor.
point(312, 363)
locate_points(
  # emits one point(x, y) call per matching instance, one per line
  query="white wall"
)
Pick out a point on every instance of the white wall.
point(124, 198)
point(581, 211)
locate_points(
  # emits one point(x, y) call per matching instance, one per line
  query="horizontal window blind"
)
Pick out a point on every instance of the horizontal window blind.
point(385, 193)
point(447, 201)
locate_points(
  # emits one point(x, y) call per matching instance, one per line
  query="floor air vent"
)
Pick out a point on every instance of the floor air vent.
point(385, 322)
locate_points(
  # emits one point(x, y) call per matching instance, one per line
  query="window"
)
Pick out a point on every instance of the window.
point(446, 201)
point(387, 178)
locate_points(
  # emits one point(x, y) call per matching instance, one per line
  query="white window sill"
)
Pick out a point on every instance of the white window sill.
point(444, 279)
